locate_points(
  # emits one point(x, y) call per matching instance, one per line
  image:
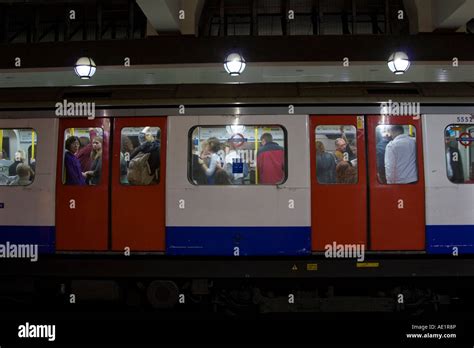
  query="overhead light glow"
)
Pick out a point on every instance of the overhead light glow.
point(398, 63)
point(234, 64)
point(85, 68)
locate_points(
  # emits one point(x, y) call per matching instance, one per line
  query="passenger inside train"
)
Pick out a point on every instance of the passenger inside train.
point(16, 168)
point(459, 151)
point(140, 159)
point(237, 155)
point(396, 157)
point(336, 154)
point(82, 156)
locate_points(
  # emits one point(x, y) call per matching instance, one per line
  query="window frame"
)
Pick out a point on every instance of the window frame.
point(189, 150)
point(416, 154)
point(36, 138)
point(120, 176)
point(316, 159)
point(63, 164)
point(445, 160)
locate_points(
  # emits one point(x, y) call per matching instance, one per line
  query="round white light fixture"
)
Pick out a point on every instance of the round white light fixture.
point(234, 64)
point(85, 68)
point(398, 63)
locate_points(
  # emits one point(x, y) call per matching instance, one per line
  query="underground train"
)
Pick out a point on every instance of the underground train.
point(296, 215)
point(274, 207)
point(276, 226)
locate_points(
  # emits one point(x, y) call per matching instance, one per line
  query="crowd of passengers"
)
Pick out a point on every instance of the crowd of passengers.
point(83, 159)
point(20, 172)
point(395, 157)
point(220, 163)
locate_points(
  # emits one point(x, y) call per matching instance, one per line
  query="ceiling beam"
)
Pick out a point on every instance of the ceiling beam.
point(192, 50)
point(165, 16)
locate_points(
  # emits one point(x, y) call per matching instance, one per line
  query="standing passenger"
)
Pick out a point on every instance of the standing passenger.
point(213, 147)
point(325, 165)
point(400, 158)
point(232, 157)
point(453, 160)
point(346, 173)
point(270, 161)
point(150, 145)
point(72, 166)
point(84, 152)
point(96, 167)
point(382, 142)
point(344, 151)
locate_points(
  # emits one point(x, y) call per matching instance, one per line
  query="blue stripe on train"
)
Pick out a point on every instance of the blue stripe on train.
point(43, 236)
point(198, 240)
point(440, 239)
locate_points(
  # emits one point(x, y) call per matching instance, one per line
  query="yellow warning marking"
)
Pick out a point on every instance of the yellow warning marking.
point(360, 122)
point(312, 267)
point(367, 264)
point(294, 268)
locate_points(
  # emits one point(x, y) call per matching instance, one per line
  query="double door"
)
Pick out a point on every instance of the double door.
point(367, 182)
point(102, 202)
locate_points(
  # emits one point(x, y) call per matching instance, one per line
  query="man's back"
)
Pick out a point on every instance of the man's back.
point(271, 164)
point(400, 160)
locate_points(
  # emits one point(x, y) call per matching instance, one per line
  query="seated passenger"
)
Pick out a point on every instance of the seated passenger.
point(213, 147)
point(23, 172)
point(19, 158)
point(270, 161)
point(72, 166)
point(96, 167)
point(345, 173)
point(325, 165)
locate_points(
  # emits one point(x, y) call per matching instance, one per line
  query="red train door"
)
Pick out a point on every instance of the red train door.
point(338, 180)
point(82, 185)
point(396, 183)
point(138, 199)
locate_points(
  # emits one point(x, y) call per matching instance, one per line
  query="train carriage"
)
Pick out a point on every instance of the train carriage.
point(297, 216)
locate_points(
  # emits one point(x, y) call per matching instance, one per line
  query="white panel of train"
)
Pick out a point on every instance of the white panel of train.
point(449, 167)
point(238, 185)
point(27, 182)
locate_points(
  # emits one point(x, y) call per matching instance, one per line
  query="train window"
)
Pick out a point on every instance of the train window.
point(396, 157)
point(336, 154)
point(237, 155)
point(140, 156)
point(459, 149)
point(17, 156)
point(82, 156)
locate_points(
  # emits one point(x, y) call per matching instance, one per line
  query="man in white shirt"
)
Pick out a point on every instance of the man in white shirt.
point(400, 158)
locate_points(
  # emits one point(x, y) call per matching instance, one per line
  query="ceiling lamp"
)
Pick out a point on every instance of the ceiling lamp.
point(234, 64)
point(398, 63)
point(85, 68)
